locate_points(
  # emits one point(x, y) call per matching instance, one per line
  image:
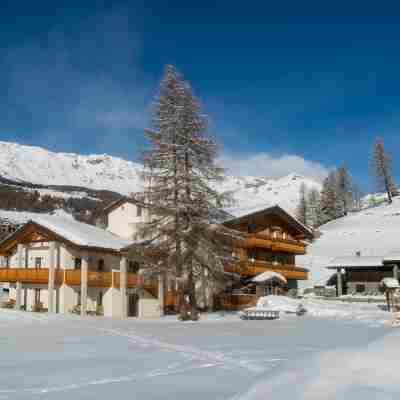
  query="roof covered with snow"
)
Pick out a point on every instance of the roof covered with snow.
point(276, 210)
point(392, 256)
point(82, 234)
point(356, 261)
point(269, 275)
point(391, 283)
point(75, 232)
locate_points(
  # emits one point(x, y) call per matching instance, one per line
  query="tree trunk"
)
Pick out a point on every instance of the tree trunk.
point(387, 187)
point(192, 296)
point(387, 300)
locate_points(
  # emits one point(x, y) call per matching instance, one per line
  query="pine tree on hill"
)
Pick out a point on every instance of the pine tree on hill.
point(179, 170)
point(331, 204)
point(381, 169)
point(344, 189)
point(302, 208)
point(314, 212)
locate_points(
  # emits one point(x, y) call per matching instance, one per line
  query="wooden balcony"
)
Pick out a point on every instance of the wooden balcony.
point(237, 301)
point(248, 269)
point(68, 277)
point(275, 244)
point(24, 275)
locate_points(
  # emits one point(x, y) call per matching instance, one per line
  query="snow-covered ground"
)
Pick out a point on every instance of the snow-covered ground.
point(221, 357)
point(373, 231)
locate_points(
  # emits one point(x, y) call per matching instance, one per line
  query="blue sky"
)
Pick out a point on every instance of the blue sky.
point(287, 87)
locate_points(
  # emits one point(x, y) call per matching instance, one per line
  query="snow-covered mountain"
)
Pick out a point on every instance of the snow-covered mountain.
point(103, 172)
point(373, 231)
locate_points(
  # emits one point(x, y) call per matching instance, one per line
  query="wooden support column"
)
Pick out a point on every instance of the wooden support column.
point(21, 256)
point(84, 284)
point(339, 282)
point(52, 267)
point(123, 284)
point(161, 294)
point(396, 271)
point(18, 300)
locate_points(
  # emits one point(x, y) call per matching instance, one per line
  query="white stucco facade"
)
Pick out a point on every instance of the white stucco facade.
point(64, 277)
point(126, 220)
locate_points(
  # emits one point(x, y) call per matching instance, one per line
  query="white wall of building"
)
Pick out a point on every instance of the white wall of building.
point(126, 220)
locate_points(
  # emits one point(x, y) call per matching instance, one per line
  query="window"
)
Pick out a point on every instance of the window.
point(79, 298)
point(78, 263)
point(38, 262)
point(100, 266)
point(138, 211)
point(360, 288)
point(133, 266)
point(100, 299)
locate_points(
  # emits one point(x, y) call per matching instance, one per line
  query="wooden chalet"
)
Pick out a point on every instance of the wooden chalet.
point(272, 239)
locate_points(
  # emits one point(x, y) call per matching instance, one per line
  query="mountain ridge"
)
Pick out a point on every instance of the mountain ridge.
point(37, 168)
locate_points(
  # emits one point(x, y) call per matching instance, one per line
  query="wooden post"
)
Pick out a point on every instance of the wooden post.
point(161, 294)
point(396, 272)
point(84, 284)
point(123, 285)
point(52, 258)
point(18, 296)
point(339, 282)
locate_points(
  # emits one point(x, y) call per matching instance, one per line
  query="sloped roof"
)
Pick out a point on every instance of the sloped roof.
point(390, 283)
point(267, 276)
point(392, 256)
point(275, 210)
point(115, 204)
point(355, 261)
point(75, 232)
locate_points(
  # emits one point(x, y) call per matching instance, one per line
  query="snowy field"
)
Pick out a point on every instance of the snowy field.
point(345, 347)
point(373, 232)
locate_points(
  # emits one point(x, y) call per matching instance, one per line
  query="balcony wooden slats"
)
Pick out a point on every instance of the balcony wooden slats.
point(238, 301)
point(69, 277)
point(25, 275)
point(248, 269)
point(274, 243)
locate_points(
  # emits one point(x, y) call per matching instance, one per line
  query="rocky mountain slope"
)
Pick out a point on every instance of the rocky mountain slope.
point(100, 178)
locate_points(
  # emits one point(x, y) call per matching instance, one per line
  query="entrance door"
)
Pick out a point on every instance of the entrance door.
point(37, 297)
point(133, 300)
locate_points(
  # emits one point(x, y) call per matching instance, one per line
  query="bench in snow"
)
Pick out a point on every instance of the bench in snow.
point(260, 314)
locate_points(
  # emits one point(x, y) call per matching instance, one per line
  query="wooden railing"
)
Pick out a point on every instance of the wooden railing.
point(69, 277)
point(237, 301)
point(247, 268)
point(25, 275)
point(274, 243)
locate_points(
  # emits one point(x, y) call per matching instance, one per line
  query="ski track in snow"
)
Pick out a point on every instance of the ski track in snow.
point(5, 394)
point(193, 352)
point(202, 358)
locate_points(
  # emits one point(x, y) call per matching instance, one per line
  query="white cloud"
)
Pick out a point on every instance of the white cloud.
point(266, 165)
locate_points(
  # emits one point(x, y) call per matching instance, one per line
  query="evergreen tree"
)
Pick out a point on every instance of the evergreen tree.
point(315, 217)
point(331, 206)
point(302, 208)
point(180, 173)
point(381, 169)
point(344, 189)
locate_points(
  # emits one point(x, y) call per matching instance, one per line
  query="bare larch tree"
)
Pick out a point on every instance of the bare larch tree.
point(381, 169)
point(180, 176)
